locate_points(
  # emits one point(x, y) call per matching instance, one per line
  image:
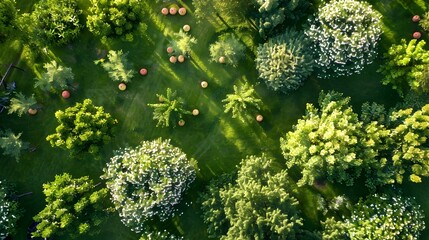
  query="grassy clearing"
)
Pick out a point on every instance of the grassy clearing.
point(216, 140)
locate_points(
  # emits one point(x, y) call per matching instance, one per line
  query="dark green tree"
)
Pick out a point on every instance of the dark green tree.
point(9, 210)
point(243, 98)
point(55, 79)
point(73, 207)
point(257, 205)
point(8, 16)
point(52, 22)
point(147, 182)
point(170, 110)
point(82, 128)
point(379, 216)
point(110, 18)
point(406, 67)
point(285, 61)
point(118, 67)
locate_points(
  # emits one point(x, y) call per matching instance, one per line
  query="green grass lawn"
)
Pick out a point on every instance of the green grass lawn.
point(213, 138)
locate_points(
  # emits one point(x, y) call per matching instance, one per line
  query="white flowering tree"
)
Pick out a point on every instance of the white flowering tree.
point(345, 35)
point(380, 216)
point(285, 61)
point(147, 182)
point(9, 211)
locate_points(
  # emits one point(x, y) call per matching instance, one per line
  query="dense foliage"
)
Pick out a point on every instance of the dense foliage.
point(9, 210)
point(243, 98)
point(118, 67)
point(345, 34)
point(183, 42)
point(11, 144)
point(424, 22)
point(109, 18)
point(53, 22)
point(406, 67)
point(285, 61)
point(8, 16)
point(331, 143)
point(148, 181)
point(229, 11)
point(73, 207)
point(169, 110)
point(82, 128)
point(257, 205)
point(272, 14)
point(229, 47)
point(380, 216)
point(55, 79)
point(20, 104)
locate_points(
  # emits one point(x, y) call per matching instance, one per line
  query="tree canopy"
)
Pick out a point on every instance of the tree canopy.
point(82, 128)
point(8, 15)
point(117, 66)
point(55, 79)
point(11, 144)
point(73, 207)
point(229, 47)
point(147, 182)
point(244, 96)
point(285, 61)
point(345, 34)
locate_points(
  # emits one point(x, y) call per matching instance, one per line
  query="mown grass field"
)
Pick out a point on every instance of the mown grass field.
point(213, 138)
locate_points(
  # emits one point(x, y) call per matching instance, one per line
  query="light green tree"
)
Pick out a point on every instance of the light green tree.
point(9, 210)
point(257, 205)
point(147, 182)
point(284, 62)
point(74, 207)
point(406, 67)
point(345, 35)
point(118, 67)
point(229, 47)
point(170, 110)
point(11, 144)
point(243, 98)
point(230, 12)
point(82, 128)
point(55, 79)
point(20, 104)
point(379, 216)
point(183, 42)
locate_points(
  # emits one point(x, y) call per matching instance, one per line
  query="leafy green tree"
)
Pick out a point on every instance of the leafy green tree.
point(8, 16)
point(424, 22)
point(117, 66)
point(170, 110)
point(228, 11)
point(258, 205)
point(73, 207)
point(52, 22)
point(244, 96)
point(331, 143)
point(83, 127)
point(183, 42)
point(229, 47)
point(285, 61)
point(379, 216)
point(9, 210)
point(20, 104)
point(409, 143)
point(406, 67)
point(55, 79)
point(11, 144)
point(345, 34)
point(109, 18)
point(148, 181)
point(273, 13)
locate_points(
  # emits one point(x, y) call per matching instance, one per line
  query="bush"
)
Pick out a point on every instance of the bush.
point(52, 22)
point(284, 62)
point(110, 18)
point(55, 79)
point(11, 144)
point(117, 66)
point(345, 34)
point(20, 104)
point(148, 181)
point(183, 42)
point(228, 47)
point(82, 128)
point(8, 16)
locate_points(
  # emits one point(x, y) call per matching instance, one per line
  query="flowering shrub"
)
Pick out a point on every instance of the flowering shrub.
point(285, 61)
point(9, 211)
point(345, 35)
point(380, 216)
point(147, 182)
